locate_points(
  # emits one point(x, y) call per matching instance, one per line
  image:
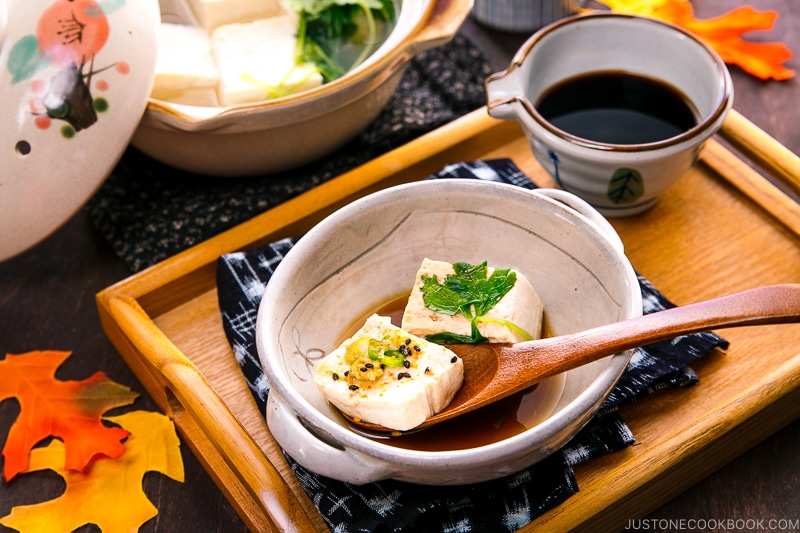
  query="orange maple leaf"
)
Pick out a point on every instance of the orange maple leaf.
point(723, 33)
point(109, 492)
point(69, 410)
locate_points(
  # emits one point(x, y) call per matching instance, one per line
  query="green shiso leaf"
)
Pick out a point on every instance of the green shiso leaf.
point(327, 25)
point(472, 292)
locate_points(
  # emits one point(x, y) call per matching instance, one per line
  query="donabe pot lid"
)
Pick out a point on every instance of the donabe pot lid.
point(75, 76)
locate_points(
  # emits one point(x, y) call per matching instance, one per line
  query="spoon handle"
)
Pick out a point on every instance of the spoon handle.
point(774, 304)
point(500, 370)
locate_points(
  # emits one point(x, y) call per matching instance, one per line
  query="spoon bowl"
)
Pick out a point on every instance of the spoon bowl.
point(495, 371)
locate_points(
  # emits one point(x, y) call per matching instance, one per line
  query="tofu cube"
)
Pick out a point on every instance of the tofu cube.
point(256, 61)
point(396, 397)
point(185, 69)
point(214, 13)
point(521, 306)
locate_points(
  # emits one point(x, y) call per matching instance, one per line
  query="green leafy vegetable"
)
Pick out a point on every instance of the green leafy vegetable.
point(375, 350)
point(472, 292)
point(328, 26)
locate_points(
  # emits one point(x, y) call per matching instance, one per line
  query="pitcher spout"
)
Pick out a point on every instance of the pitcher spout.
point(502, 91)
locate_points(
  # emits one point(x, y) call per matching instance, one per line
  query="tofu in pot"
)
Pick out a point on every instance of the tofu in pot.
point(214, 13)
point(408, 380)
point(256, 61)
point(521, 306)
point(186, 72)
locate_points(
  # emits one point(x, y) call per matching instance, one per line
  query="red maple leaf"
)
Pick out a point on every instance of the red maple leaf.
point(725, 33)
point(69, 410)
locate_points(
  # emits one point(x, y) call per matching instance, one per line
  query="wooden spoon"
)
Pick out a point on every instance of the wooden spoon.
point(494, 371)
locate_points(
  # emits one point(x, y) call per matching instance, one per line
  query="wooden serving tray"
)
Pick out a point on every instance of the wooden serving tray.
point(723, 228)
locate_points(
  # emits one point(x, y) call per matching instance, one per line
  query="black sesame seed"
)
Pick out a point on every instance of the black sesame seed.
point(400, 376)
point(353, 387)
point(407, 363)
point(454, 359)
point(369, 365)
point(363, 369)
point(408, 341)
point(346, 373)
point(335, 376)
point(407, 374)
point(417, 348)
point(427, 370)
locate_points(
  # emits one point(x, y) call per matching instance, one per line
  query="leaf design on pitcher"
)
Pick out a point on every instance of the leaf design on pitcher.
point(626, 186)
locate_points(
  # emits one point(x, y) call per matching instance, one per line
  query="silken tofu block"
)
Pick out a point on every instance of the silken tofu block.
point(185, 69)
point(256, 61)
point(396, 397)
point(521, 306)
point(214, 13)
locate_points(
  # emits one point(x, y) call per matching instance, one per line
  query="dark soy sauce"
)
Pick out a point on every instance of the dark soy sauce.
point(493, 423)
point(617, 108)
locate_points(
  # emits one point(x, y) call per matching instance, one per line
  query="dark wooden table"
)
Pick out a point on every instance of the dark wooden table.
point(47, 302)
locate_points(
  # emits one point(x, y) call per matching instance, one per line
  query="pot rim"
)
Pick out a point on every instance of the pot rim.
point(410, 35)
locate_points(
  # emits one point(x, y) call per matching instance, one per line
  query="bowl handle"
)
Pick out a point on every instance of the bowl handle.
point(314, 453)
point(444, 20)
point(589, 212)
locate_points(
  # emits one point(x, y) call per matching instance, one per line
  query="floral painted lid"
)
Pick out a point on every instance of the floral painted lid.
point(74, 80)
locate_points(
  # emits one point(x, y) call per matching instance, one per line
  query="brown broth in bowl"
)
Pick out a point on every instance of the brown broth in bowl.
point(493, 423)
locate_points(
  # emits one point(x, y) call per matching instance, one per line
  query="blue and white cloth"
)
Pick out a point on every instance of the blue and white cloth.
point(502, 505)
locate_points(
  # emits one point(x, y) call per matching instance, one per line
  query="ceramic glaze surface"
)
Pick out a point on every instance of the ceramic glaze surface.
point(283, 133)
point(520, 16)
point(348, 267)
point(618, 180)
point(74, 76)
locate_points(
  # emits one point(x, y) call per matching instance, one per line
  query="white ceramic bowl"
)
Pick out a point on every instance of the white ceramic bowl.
point(367, 253)
point(287, 132)
point(69, 108)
